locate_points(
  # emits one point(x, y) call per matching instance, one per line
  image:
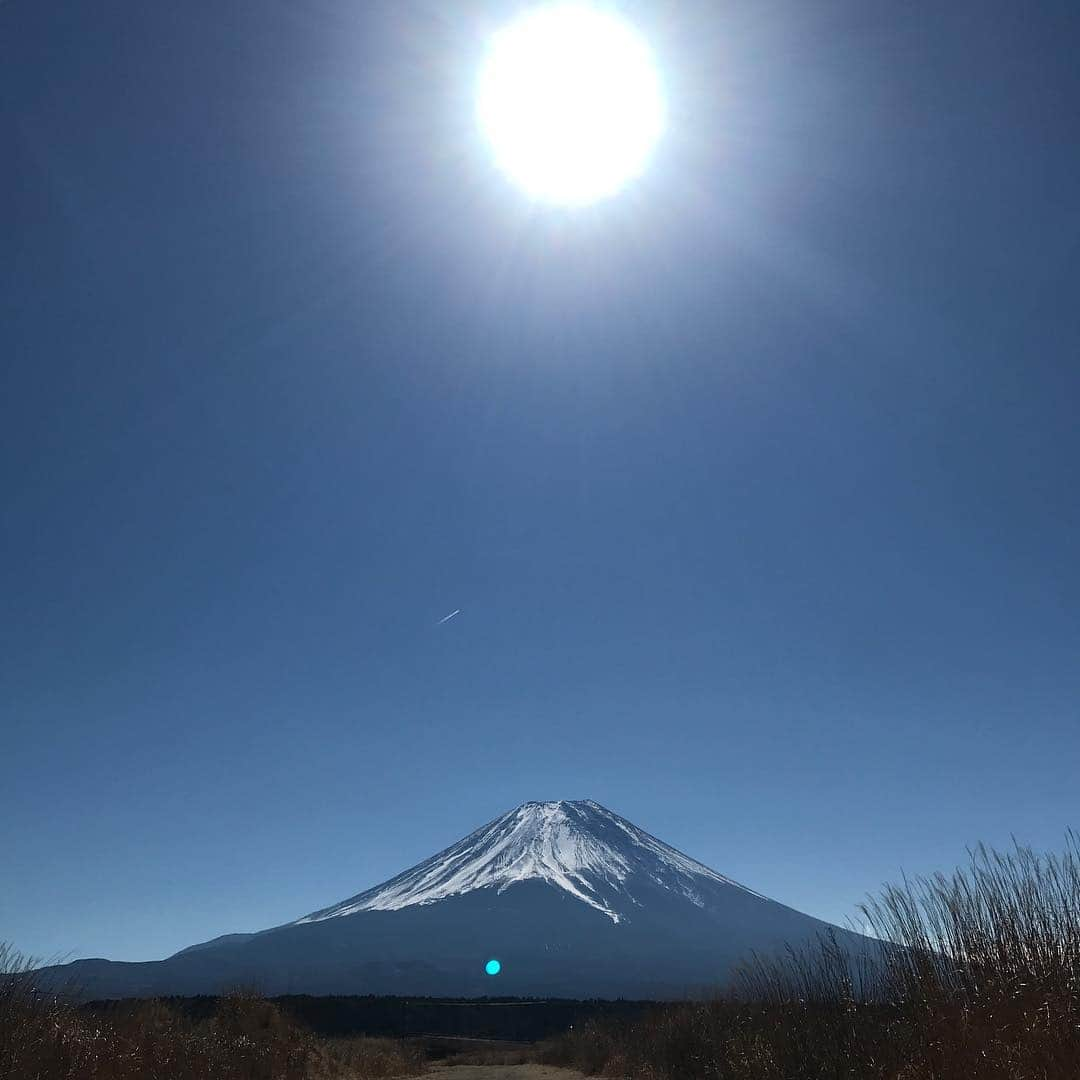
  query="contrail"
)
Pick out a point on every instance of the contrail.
point(448, 617)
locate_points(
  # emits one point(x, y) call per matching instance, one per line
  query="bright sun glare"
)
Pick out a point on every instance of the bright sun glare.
point(570, 101)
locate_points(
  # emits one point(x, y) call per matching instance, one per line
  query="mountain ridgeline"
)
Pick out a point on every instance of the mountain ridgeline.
point(571, 899)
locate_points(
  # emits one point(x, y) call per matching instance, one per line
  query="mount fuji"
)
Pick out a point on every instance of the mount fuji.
point(570, 898)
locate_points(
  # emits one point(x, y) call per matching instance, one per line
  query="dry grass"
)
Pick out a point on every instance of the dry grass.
point(363, 1058)
point(976, 977)
point(45, 1037)
point(491, 1054)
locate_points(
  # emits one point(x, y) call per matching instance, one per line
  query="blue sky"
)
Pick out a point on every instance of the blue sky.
point(755, 485)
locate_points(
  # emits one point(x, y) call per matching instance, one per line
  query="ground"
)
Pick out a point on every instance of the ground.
point(500, 1072)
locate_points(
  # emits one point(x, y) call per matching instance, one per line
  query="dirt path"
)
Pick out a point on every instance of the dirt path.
point(499, 1072)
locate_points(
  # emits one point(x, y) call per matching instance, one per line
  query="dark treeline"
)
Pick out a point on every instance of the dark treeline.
point(512, 1019)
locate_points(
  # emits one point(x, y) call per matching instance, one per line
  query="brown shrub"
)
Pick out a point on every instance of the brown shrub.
point(45, 1037)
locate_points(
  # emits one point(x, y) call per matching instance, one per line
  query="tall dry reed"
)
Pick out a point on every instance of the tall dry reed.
point(968, 976)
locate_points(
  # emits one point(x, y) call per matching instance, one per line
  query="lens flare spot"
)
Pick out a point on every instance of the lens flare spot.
point(570, 100)
point(493, 967)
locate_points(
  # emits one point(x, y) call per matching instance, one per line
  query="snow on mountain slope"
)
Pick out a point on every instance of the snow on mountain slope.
point(580, 847)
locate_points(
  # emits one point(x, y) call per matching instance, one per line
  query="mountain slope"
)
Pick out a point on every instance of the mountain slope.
point(573, 900)
point(580, 847)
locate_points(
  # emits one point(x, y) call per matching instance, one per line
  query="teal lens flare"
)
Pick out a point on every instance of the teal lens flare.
point(493, 967)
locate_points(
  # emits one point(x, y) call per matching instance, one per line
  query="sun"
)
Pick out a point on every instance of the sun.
point(570, 100)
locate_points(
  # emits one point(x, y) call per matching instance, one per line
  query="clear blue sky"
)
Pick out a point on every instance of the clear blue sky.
point(756, 486)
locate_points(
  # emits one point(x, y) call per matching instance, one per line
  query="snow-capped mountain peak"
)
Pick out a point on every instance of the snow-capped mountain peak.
point(535, 888)
point(580, 846)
